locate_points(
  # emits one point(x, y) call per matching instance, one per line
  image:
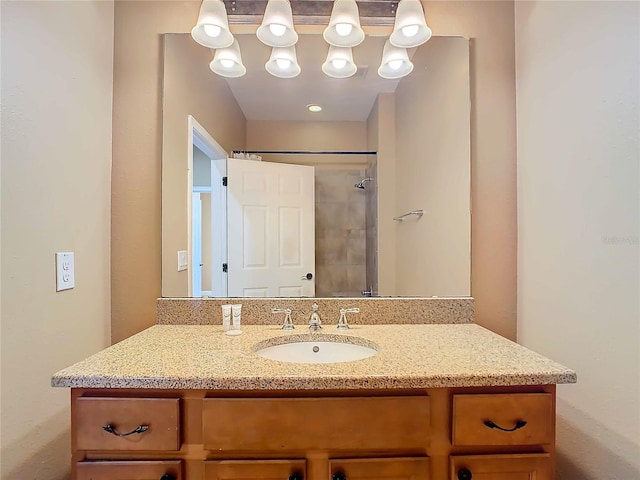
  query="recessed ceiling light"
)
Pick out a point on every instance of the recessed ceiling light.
point(314, 108)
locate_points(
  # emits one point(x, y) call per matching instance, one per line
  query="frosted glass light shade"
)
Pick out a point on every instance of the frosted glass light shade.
point(277, 29)
point(410, 28)
point(344, 25)
point(211, 20)
point(395, 62)
point(227, 62)
point(339, 63)
point(283, 62)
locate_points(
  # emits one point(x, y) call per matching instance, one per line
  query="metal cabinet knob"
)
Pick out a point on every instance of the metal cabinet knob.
point(464, 474)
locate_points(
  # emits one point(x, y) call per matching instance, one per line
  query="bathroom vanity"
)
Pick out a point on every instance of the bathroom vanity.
point(438, 402)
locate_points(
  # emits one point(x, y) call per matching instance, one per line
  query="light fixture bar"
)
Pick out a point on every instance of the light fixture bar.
point(312, 12)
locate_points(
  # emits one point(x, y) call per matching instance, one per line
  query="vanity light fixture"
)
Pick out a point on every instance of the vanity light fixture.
point(395, 62)
point(344, 25)
point(314, 108)
point(212, 28)
point(283, 62)
point(410, 29)
point(277, 29)
point(227, 62)
point(343, 33)
point(339, 63)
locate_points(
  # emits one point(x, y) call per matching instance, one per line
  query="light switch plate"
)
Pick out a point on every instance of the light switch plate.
point(65, 271)
point(183, 260)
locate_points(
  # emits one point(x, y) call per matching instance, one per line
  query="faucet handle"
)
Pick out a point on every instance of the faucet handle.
point(288, 323)
point(342, 322)
point(350, 310)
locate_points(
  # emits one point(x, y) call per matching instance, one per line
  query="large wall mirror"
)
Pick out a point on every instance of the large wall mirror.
point(391, 147)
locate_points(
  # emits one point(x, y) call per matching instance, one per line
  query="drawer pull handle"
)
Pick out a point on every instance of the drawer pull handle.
point(168, 476)
point(464, 474)
point(296, 476)
point(339, 476)
point(519, 424)
point(111, 429)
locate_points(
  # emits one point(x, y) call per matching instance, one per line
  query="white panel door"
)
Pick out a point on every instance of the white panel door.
point(271, 221)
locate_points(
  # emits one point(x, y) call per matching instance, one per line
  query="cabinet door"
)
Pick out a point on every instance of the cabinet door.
point(280, 424)
point(415, 468)
point(502, 467)
point(140, 470)
point(255, 469)
point(127, 424)
point(503, 419)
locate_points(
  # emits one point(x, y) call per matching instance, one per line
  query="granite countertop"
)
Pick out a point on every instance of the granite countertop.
point(409, 356)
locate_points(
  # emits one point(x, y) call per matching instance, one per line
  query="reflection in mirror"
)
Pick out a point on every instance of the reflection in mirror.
point(396, 146)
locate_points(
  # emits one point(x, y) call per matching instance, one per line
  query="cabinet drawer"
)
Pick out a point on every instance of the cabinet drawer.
point(501, 467)
point(413, 468)
point(504, 419)
point(161, 416)
point(334, 423)
point(255, 469)
point(142, 470)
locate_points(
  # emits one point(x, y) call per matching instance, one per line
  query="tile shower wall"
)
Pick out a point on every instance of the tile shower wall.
point(340, 233)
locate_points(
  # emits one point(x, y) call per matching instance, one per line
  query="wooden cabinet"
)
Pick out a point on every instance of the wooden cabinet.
point(123, 470)
point(507, 419)
point(380, 469)
point(501, 467)
point(419, 434)
point(277, 424)
point(104, 423)
point(255, 470)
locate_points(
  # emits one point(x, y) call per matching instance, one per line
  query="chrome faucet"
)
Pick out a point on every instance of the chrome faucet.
point(314, 320)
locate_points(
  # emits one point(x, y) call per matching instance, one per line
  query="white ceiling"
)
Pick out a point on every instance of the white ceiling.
point(262, 96)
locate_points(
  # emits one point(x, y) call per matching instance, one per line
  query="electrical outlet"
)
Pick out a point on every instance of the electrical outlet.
point(183, 260)
point(65, 271)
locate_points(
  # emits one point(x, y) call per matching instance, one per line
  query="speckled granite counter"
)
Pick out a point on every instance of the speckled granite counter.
point(373, 310)
point(409, 356)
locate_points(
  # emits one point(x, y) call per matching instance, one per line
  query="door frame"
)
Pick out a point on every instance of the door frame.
point(199, 137)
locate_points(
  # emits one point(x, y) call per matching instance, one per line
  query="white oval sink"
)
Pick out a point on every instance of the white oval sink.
point(321, 351)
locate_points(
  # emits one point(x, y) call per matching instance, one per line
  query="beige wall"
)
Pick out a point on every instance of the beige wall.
point(578, 69)
point(137, 152)
point(382, 139)
point(334, 136)
point(189, 88)
point(433, 253)
point(56, 158)
point(136, 248)
point(490, 27)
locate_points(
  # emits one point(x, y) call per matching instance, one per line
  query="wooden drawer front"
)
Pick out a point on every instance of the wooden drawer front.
point(470, 412)
point(415, 468)
point(501, 467)
point(142, 470)
point(280, 424)
point(254, 469)
point(161, 415)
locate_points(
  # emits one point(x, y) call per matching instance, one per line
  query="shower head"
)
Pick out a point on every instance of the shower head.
point(360, 184)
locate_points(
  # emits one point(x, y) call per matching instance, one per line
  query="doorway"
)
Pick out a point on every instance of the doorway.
point(207, 207)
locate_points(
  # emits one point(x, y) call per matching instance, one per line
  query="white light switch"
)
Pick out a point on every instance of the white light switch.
point(183, 262)
point(65, 271)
